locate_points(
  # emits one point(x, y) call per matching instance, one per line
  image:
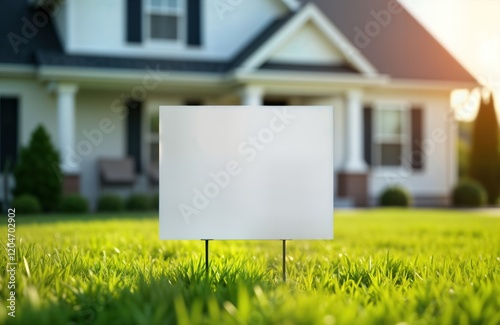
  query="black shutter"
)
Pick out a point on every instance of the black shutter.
point(417, 155)
point(9, 123)
point(194, 22)
point(368, 133)
point(134, 21)
point(134, 134)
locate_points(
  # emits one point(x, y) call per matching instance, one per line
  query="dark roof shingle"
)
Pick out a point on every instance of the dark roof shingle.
point(18, 47)
point(46, 58)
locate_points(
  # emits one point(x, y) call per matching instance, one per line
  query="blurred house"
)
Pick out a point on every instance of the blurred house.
point(95, 72)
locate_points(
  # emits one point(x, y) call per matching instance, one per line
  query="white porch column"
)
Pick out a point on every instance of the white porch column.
point(66, 125)
point(354, 162)
point(252, 96)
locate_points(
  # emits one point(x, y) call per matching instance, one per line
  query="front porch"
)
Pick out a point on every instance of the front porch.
point(133, 127)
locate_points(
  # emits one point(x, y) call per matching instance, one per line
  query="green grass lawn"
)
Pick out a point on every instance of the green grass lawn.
point(384, 267)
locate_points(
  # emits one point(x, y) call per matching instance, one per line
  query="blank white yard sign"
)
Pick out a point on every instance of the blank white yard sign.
point(243, 172)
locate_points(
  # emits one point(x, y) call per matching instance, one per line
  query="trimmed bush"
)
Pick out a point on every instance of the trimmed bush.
point(485, 153)
point(156, 202)
point(139, 202)
point(395, 196)
point(74, 204)
point(26, 204)
point(37, 172)
point(110, 203)
point(469, 194)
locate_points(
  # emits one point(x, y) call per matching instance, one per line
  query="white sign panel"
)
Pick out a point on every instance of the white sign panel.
point(243, 172)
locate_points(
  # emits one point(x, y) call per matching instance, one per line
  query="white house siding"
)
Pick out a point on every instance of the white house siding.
point(431, 185)
point(92, 107)
point(60, 20)
point(99, 27)
point(308, 46)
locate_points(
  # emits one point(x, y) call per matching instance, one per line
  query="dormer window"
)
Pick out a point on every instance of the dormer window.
point(165, 19)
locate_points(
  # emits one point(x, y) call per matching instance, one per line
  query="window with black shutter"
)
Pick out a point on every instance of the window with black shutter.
point(393, 134)
point(165, 19)
point(171, 21)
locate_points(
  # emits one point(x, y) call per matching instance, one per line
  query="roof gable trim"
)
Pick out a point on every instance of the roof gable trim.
point(309, 13)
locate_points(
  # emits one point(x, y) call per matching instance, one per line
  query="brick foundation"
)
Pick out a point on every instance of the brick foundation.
point(353, 186)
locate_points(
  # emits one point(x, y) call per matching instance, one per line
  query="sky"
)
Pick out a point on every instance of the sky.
point(470, 30)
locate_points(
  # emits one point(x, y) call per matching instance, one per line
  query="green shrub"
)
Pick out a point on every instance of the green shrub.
point(485, 153)
point(469, 194)
point(37, 172)
point(74, 204)
point(156, 202)
point(395, 196)
point(139, 202)
point(26, 204)
point(110, 203)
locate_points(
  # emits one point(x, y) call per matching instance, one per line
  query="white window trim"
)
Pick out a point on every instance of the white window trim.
point(181, 14)
point(405, 137)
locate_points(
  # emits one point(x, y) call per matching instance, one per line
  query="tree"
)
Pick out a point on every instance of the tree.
point(485, 153)
point(35, 174)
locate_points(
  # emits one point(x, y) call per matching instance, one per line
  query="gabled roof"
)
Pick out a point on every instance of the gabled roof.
point(256, 56)
point(261, 38)
point(403, 49)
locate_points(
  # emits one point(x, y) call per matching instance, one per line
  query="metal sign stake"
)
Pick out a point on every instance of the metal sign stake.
point(206, 256)
point(207, 260)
